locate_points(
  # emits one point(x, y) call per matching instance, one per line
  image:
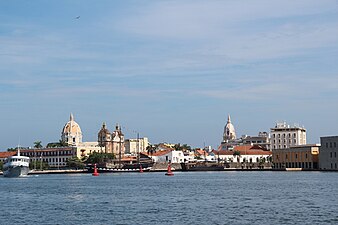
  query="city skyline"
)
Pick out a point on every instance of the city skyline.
point(169, 70)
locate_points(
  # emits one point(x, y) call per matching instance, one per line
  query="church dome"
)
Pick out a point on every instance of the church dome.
point(71, 132)
point(229, 131)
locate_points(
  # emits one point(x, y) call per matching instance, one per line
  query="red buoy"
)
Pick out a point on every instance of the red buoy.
point(95, 171)
point(141, 170)
point(169, 172)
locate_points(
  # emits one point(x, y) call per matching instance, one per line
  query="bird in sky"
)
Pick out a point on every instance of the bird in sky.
point(78, 17)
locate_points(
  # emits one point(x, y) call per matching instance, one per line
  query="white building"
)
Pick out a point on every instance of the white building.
point(328, 154)
point(285, 136)
point(244, 153)
point(167, 156)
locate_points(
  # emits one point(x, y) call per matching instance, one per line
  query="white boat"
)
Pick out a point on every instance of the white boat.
point(16, 166)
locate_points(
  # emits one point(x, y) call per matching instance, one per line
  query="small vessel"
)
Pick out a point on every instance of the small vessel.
point(16, 166)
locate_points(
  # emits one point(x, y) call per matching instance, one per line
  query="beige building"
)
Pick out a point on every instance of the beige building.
point(112, 142)
point(303, 156)
point(328, 156)
point(135, 146)
point(284, 136)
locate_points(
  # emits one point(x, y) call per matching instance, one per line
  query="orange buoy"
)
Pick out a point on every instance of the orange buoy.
point(95, 171)
point(169, 172)
point(141, 170)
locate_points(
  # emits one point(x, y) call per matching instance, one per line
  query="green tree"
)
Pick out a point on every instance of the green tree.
point(61, 143)
point(97, 157)
point(75, 163)
point(37, 144)
point(1, 165)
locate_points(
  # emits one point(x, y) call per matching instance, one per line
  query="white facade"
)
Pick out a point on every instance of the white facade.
point(328, 154)
point(285, 136)
point(166, 156)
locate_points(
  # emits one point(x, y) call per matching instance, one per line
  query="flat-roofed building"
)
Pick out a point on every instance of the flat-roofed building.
point(55, 157)
point(328, 156)
point(135, 146)
point(284, 136)
point(303, 156)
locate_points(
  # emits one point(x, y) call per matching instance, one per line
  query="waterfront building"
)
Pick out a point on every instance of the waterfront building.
point(302, 156)
point(328, 155)
point(244, 153)
point(5, 155)
point(135, 146)
point(55, 157)
point(284, 136)
point(168, 155)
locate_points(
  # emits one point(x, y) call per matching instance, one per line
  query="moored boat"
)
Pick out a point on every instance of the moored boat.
point(16, 166)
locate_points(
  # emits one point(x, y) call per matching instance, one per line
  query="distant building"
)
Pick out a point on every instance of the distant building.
point(284, 136)
point(328, 156)
point(263, 139)
point(302, 156)
point(71, 132)
point(55, 157)
point(244, 153)
point(168, 155)
point(5, 155)
point(229, 136)
point(135, 146)
point(112, 142)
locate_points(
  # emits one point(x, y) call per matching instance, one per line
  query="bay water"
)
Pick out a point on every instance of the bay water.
point(257, 197)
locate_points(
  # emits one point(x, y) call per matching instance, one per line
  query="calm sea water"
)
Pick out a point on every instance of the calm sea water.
point(186, 198)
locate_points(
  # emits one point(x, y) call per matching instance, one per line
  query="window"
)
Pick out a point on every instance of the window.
point(296, 156)
point(330, 154)
point(327, 145)
point(306, 155)
point(330, 144)
point(335, 145)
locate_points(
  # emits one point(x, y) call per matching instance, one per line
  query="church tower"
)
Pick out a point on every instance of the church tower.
point(71, 132)
point(229, 131)
point(104, 139)
point(118, 142)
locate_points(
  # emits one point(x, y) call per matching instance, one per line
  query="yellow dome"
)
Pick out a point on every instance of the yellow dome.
point(71, 132)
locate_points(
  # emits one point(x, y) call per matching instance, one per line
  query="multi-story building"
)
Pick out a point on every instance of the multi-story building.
point(328, 156)
point(263, 139)
point(135, 146)
point(284, 136)
point(55, 157)
point(302, 156)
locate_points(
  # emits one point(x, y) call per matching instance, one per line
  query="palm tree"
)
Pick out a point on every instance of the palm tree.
point(37, 144)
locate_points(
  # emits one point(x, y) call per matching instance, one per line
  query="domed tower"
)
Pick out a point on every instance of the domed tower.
point(118, 142)
point(104, 138)
point(71, 132)
point(229, 131)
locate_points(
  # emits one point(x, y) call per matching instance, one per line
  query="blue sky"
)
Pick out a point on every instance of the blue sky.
point(170, 70)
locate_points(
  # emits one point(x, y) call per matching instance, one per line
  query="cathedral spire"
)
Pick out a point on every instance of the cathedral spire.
point(229, 120)
point(71, 117)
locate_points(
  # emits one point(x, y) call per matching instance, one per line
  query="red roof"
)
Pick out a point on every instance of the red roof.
point(158, 153)
point(245, 150)
point(7, 154)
